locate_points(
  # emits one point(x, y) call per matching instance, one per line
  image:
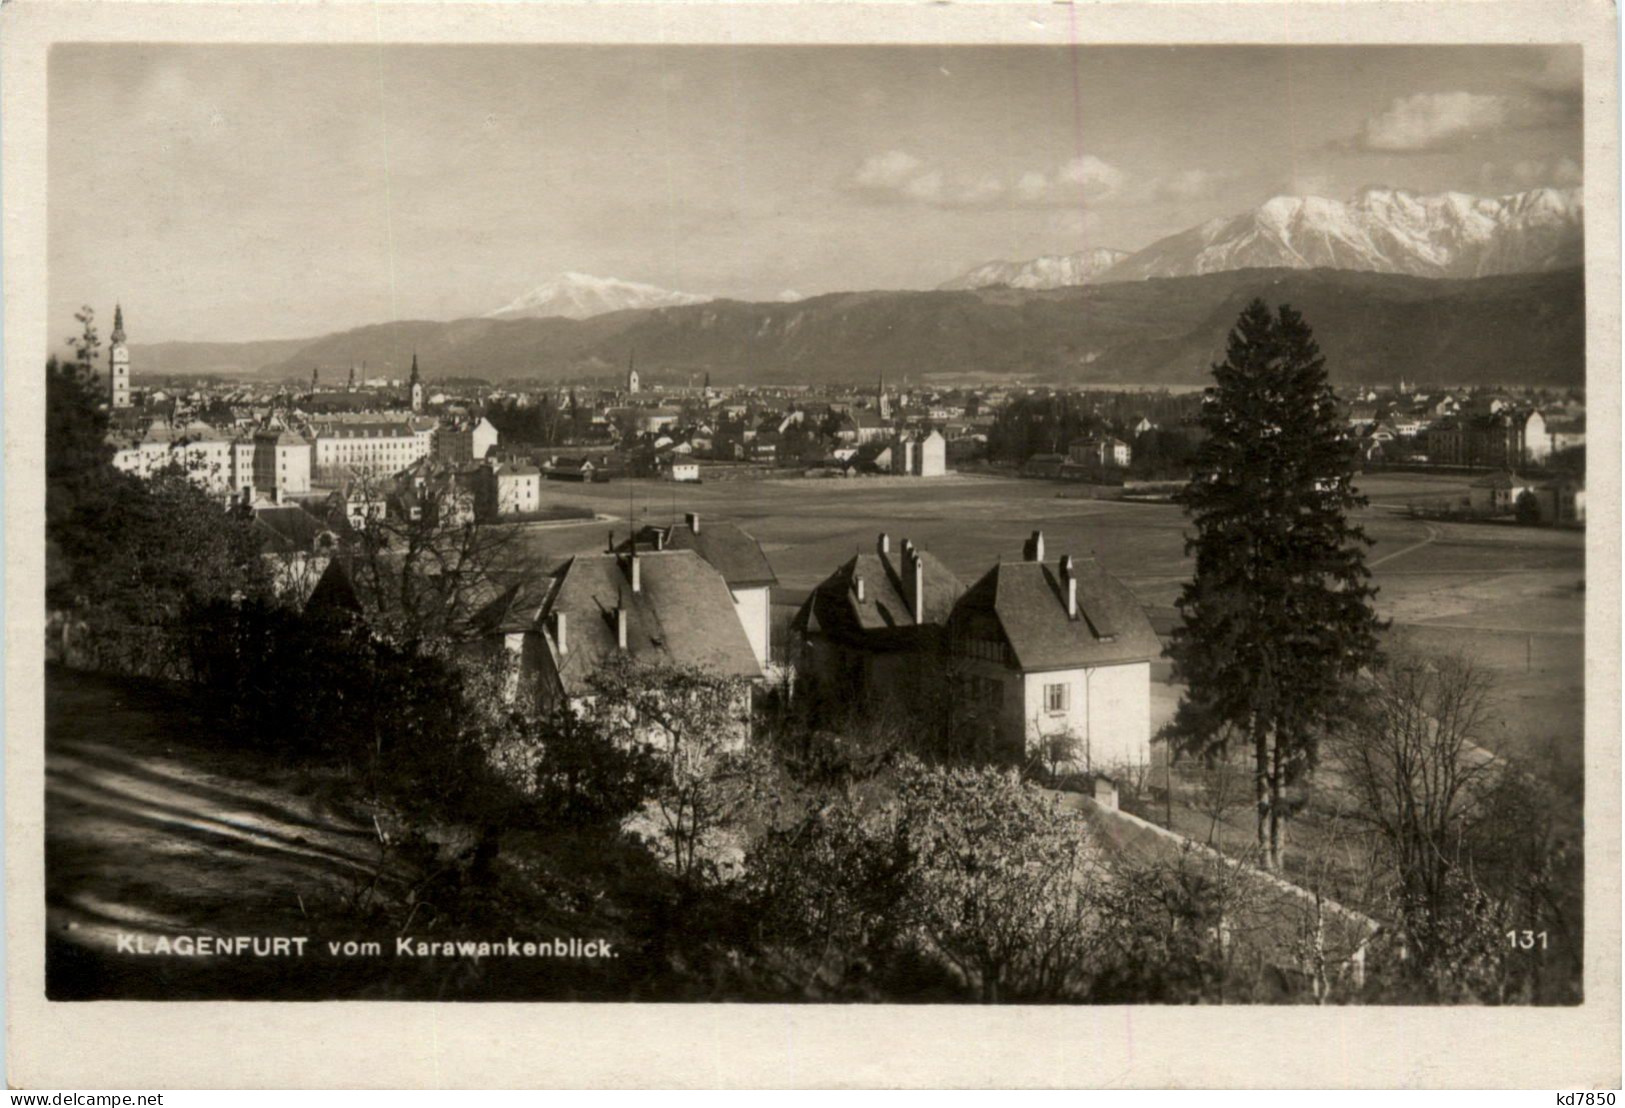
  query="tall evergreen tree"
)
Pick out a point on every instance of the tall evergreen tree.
point(1277, 620)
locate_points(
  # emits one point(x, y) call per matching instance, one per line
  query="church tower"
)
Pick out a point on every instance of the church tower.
point(118, 361)
point(417, 385)
point(631, 372)
point(883, 402)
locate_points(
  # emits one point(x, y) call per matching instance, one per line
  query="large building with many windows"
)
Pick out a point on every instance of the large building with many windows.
point(369, 445)
point(271, 463)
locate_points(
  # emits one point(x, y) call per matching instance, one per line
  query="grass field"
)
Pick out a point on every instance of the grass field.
point(1510, 596)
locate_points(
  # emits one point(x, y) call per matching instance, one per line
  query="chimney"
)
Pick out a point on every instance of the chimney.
point(1034, 550)
point(1070, 577)
point(918, 599)
point(1106, 792)
point(883, 544)
point(634, 571)
point(857, 587)
point(559, 633)
point(660, 540)
point(693, 520)
point(610, 549)
point(620, 627)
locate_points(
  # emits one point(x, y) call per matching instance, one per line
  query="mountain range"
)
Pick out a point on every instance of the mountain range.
point(1381, 230)
point(1052, 271)
point(581, 296)
point(1372, 327)
point(1447, 287)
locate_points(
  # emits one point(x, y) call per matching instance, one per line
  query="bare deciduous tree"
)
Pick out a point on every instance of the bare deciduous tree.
point(1417, 776)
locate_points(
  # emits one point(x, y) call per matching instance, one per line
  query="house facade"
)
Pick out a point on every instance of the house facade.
point(503, 490)
point(1032, 651)
point(1058, 649)
point(919, 455)
point(373, 447)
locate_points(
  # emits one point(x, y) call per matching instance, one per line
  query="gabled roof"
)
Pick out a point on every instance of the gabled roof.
point(1029, 601)
point(734, 554)
point(289, 528)
point(682, 614)
point(834, 609)
point(335, 591)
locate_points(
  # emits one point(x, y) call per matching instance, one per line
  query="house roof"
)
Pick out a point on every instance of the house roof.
point(380, 429)
point(734, 554)
point(335, 591)
point(1029, 600)
point(834, 610)
point(682, 614)
point(289, 528)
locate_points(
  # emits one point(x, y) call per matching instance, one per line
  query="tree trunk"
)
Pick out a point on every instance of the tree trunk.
point(1261, 794)
point(1277, 807)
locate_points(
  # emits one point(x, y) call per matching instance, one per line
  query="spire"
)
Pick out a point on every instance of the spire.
point(118, 323)
point(414, 366)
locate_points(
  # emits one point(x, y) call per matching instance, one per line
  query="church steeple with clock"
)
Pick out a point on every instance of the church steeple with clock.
point(118, 361)
point(416, 383)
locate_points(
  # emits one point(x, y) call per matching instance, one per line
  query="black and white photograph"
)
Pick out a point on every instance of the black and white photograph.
point(830, 524)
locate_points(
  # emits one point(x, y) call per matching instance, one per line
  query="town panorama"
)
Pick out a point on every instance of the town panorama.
point(800, 606)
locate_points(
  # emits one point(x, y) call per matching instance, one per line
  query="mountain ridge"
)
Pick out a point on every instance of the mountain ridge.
point(1381, 230)
point(581, 296)
point(1372, 327)
point(1048, 271)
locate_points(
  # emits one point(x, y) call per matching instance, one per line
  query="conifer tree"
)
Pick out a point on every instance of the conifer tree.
point(1277, 619)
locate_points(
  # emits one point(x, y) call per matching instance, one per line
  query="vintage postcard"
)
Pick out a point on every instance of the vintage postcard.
point(812, 545)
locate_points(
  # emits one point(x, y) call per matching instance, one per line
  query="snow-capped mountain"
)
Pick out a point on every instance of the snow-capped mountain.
point(1052, 271)
point(580, 296)
point(1383, 230)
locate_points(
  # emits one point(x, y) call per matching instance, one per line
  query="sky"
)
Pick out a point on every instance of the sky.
point(252, 192)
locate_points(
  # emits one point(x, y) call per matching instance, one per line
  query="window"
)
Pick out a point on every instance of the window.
point(1057, 698)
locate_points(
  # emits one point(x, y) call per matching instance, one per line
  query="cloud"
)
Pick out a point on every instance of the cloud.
point(899, 177)
point(1090, 174)
point(886, 172)
point(1192, 184)
point(1430, 121)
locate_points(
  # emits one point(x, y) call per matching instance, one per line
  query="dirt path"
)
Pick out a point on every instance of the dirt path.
point(1432, 535)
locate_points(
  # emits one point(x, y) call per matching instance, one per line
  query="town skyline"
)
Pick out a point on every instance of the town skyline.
point(382, 186)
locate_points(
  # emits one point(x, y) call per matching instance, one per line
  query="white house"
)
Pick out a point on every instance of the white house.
point(1059, 648)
